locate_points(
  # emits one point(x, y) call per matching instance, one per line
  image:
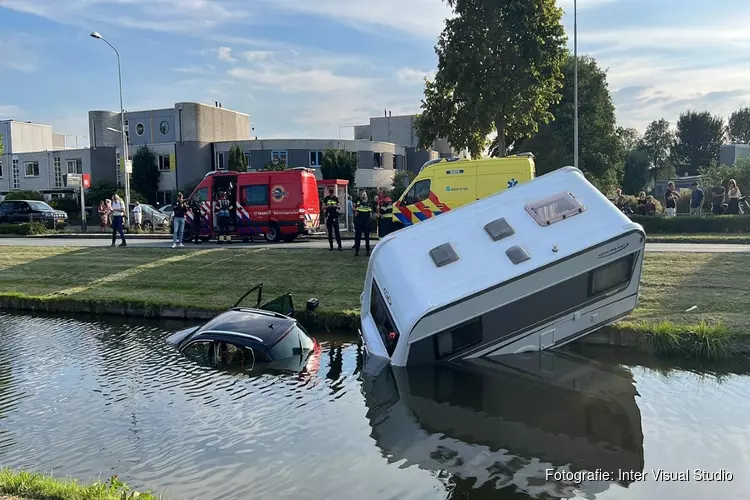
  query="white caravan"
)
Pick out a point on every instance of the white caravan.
point(509, 420)
point(530, 268)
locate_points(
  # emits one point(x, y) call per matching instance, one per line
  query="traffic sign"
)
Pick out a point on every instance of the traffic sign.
point(128, 166)
point(86, 181)
point(73, 180)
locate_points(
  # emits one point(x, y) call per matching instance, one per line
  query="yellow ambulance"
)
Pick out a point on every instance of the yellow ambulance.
point(445, 184)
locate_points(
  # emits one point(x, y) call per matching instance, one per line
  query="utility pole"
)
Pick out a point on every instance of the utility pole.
point(575, 83)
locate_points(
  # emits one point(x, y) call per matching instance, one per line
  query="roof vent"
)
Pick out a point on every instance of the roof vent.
point(517, 254)
point(443, 255)
point(499, 229)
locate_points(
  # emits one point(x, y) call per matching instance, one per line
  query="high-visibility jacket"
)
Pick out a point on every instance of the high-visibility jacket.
point(385, 208)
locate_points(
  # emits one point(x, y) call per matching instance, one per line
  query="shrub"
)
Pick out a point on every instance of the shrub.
point(23, 229)
point(67, 205)
point(632, 202)
point(24, 195)
point(684, 225)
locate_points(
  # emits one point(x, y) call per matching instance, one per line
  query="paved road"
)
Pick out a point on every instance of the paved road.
point(146, 243)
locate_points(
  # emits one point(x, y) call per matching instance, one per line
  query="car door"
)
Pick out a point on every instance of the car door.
point(282, 305)
point(413, 201)
point(236, 357)
point(6, 210)
point(21, 212)
point(201, 352)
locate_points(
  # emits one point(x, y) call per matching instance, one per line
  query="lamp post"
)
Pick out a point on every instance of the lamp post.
point(124, 158)
point(575, 83)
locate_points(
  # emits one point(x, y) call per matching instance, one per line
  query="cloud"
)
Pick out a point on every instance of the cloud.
point(413, 76)
point(15, 55)
point(257, 55)
point(8, 111)
point(225, 54)
point(295, 80)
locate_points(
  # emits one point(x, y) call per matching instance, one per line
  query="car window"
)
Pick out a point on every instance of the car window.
point(200, 195)
point(236, 357)
point(6, 206)
point(200, 352)
point(255, 195)
point(419, 192)
point(288, 347)
point(20, 206)
point(39, 205)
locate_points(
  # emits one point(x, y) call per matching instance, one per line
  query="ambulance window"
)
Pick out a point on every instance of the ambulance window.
point(255, 195)
point(200, 195)
point(419, 192)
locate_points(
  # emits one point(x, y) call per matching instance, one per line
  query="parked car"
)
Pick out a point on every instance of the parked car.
point(151, 217)
point(23, 211)
point(167, 209)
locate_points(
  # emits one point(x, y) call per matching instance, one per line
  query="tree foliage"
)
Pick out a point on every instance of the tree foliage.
point(600, 154)
point(499, 68)
point(657, 143)
point(146, 174)
point(630, 138)
point(698, 141)
point(104, 190)
point(739, 126)
point(637, 172)
point(24, 195)
point(719, 175)
point(237, 159)
point(339, 164)
point(401, 181)
point(275, 167)
point(2, 145)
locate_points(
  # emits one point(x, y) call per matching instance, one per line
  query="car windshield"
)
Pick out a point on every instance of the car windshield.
point(39, 205)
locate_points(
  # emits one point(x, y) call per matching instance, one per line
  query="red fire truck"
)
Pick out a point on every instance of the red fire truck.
point(279, 205)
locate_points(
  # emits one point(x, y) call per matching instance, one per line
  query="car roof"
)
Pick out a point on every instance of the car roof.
point(268, 326)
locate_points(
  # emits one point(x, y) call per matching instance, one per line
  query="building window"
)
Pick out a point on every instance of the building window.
point(163, 161)
point(16, 175)
point(378, 160)
point(31, 168)
point(395, 162)
point(163, 198)
point(278, 156)
point(316, 158)
point(58, 173)
point(247, 157)
point(219, 161)
point(139, 129)
point(74, 166)
point(164, 127)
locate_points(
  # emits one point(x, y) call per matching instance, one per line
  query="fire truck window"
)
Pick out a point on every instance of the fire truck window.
point(201, 195)
point(256, 195)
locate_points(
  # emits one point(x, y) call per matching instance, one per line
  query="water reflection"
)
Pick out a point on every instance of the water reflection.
point(505, 422)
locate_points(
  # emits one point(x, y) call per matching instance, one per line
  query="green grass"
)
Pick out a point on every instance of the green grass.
point(33, 486)
point(718, 285)
point(736, 238)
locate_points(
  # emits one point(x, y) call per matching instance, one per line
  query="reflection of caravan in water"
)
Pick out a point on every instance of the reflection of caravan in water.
point(530, 268)
point(507, 420)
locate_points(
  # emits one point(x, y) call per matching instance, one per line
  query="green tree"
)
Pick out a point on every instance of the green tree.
point(103, 190)
point(698, 141)
point(739, 126)
point(24, 195)
point(401, 181)
point(629, 138)
point(275, 167)
point(339, 164)
point(657, 143)
point(600, 153)
point(637, 172)
point(2, 146)
point(146, 174)
point(499, 69)
point(237, 159)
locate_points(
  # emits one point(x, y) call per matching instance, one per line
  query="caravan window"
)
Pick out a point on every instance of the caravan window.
point(458, 338)
point(555, 208)
point(383, 320)
point(611, 276)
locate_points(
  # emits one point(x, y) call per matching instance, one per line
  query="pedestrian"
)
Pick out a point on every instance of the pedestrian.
point(179, 209)
point(223, 207)
point(733, 198)
point(363, 210)
point(197, 209)
point(118, 217)
point(384, 214)
point(350, 212)
point(332, 208)
point(108, 211)
point(137, 215)
point(642, 201)
point(670, 200)
point(102, 216)
point(696, 200)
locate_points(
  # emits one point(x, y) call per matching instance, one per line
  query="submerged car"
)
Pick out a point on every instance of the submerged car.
point(249, 338)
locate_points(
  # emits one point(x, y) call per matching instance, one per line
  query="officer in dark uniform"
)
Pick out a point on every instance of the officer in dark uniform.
point(331, 207)
point(197, 209)
point(362, 212)
point(384, 214)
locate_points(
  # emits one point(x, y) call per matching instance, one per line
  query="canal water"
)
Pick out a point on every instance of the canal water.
point(87, 398)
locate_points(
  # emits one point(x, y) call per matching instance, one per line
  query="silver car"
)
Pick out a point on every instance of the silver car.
point(151, 218)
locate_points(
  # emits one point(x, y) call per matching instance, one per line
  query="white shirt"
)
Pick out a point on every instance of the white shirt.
point(118, 208)
point(137, 213)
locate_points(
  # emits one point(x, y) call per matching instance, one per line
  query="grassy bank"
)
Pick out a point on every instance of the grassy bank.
point(212, 279)
point(25, 485)
point(736, 238)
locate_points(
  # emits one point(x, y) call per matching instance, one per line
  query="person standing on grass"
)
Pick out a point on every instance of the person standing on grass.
point(197, 209)
point(137, 215)
point(331, 207)
point(696, 200)
point(179, 209)
point(733, 198)
point(363, 209)
point(224, 206)
point(670, 200)
point(102, 216)
point(118, 217)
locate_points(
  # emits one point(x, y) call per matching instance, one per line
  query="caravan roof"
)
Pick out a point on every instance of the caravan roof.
point(484, 251)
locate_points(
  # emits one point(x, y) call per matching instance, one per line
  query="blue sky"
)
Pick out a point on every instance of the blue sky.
point(313, 68)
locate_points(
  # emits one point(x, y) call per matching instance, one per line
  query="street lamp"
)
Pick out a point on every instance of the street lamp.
point(98, 36)
point(575, 83)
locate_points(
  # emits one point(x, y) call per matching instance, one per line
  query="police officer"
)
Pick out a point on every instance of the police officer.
point(197, 209)
point(384, 213)
point(362, 211)
point(223, 208)
point(331, 207)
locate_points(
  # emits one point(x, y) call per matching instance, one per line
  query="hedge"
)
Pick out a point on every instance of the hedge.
point(26, 229)
point(658, 224)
